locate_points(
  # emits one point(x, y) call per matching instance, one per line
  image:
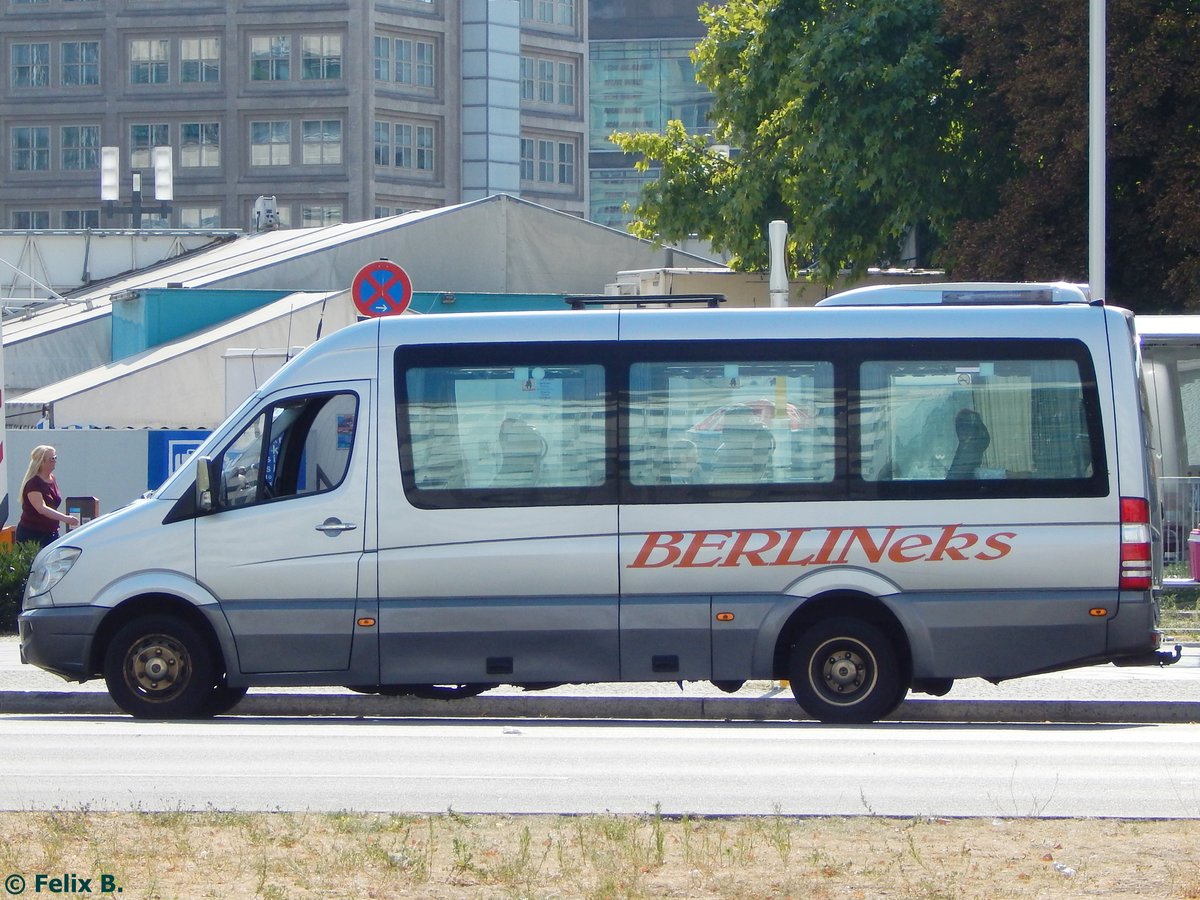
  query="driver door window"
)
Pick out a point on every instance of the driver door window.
point(293, 448)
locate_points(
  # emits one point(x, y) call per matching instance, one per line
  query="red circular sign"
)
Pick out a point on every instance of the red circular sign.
point(381, 288)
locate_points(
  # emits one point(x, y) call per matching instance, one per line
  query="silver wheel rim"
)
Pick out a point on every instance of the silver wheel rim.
point(158, 668)
point(843, 671)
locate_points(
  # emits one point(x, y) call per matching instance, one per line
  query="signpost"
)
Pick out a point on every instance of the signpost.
point(381, 288)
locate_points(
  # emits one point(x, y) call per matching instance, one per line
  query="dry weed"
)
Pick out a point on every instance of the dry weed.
point(285, 856)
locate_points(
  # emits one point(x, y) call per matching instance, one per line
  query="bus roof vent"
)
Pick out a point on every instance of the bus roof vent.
point(962, 294)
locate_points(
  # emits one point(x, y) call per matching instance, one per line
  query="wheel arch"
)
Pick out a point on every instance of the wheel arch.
point(842, 604)
point(160, 603)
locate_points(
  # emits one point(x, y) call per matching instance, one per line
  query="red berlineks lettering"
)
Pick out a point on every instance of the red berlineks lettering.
point(818, 547)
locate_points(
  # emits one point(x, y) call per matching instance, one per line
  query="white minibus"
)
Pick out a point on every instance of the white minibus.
point(864, 499)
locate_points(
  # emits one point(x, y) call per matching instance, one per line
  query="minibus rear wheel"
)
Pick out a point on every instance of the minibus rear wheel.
point(160, 667)
point(845, 671)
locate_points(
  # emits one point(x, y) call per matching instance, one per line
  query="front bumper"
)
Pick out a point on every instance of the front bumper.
point(59, 639)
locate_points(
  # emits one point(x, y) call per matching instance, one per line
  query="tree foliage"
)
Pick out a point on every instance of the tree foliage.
point(856, 119)
point(848, 120)
point(1028, 63)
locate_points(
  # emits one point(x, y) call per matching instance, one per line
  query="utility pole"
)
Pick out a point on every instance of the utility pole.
point(1097, 119)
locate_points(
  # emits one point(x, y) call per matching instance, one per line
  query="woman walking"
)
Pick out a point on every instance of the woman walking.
point(40, 499)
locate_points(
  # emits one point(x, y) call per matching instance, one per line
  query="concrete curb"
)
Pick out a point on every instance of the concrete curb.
point(755, 709)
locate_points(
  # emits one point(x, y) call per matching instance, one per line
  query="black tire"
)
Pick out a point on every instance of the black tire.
point(846, 671)
point(222, 699)
point(160, 667)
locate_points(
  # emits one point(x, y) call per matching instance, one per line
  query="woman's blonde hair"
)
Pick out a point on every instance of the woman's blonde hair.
point(37, 459)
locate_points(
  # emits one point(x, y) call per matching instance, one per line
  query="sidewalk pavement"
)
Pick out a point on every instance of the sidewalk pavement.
point(1098, 694)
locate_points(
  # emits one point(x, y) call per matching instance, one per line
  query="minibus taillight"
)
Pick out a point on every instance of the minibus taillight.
point(1136, 572)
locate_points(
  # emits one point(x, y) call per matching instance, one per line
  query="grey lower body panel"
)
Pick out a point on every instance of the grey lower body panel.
point(59, 639)
point(1006, 634)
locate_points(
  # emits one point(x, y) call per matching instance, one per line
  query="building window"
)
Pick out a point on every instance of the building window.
point(413, 61)
point(80, 63)
point(80, 147)
point(548, 162)
point(25, 219)
point(528, 78)
point(527, 171)
point(611, 190)
point(31, 150)
point(270, 143)
point(383, 144)
point(412, 146)
point(30, 65)
point(81, 218)
point(545, 168)
point(545, 85)
point(199, 60)
point(143, 139)
point(566, 84)
point(322, 140)
point(549, 12)
point(199, 144)
point(321, 57)
point(270, 58)
point(566, 163)
point(383, 58)
point(199, 217)
point(316, 216)
point(149, 61)
point(641, 85)
point(548, 82)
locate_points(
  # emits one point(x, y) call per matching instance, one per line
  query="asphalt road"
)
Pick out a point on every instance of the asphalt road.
point(576, 767)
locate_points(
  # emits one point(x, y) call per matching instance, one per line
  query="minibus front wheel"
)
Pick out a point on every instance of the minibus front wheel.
point(160, 667)
point(845, 671)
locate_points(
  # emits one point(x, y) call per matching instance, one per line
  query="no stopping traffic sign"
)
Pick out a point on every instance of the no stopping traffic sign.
point(381, 288)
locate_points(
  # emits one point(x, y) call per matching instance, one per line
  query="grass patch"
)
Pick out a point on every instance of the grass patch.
point(1180, 607)
point(287, 856)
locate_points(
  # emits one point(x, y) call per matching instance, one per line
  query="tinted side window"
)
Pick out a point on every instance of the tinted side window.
point(731, 422)
point(1014, 419)
point(518, 428)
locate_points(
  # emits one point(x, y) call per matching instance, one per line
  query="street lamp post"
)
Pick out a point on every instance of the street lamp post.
point(1097, 186)
point(110, 185)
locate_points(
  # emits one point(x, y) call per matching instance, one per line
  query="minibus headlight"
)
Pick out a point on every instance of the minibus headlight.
point(48, 570)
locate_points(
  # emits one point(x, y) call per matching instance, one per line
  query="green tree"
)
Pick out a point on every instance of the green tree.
point(847, 118)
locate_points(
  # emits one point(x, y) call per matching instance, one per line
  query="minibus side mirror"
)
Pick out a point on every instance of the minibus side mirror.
point(204, 483)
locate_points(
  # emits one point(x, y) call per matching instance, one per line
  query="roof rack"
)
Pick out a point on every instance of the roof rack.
point(583, 301)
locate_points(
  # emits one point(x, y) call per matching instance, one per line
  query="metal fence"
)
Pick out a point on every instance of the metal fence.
point(1181, 514)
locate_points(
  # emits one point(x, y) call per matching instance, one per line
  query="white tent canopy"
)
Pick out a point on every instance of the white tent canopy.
point(179, 384)
point(499, 244)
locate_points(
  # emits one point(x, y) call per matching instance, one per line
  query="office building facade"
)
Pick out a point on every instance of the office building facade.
point(641, 76)
point(341, 110)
